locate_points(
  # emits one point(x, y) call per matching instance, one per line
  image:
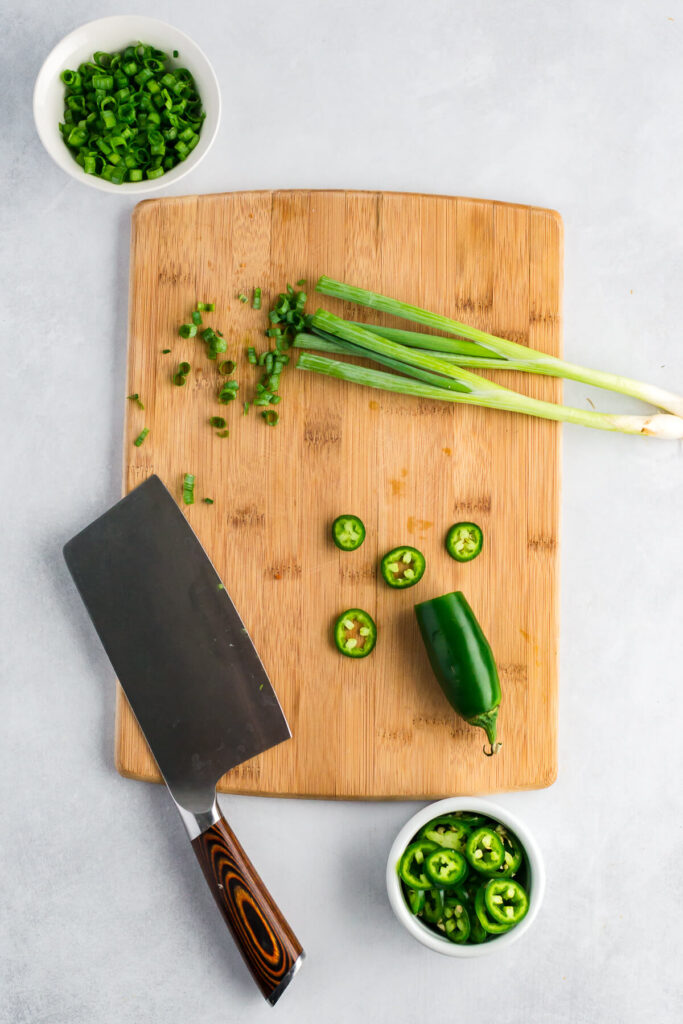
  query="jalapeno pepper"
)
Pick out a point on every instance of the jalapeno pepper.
point(506, 900)
point(456, 920)
point(403, 567)
point(484, 851)
point(411, 867)
point(464, 541)
point(415, 899)
point(447, 832)
point(433, 906)
point(348, 532)
point(355, 633)
point(462, 660)
point(488, 923)
point(446, 868)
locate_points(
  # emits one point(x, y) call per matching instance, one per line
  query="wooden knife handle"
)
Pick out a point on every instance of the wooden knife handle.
point(270, 948)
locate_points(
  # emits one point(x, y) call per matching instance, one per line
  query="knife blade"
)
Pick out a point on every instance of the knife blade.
point(198, 689)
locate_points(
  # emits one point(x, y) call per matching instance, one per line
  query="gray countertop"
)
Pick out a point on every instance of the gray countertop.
point(104, 915)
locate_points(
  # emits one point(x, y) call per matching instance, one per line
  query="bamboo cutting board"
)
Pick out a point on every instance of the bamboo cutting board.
point(379, 727)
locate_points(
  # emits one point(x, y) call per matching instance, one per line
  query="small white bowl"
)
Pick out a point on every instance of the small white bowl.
point(536, 873)
point(110, 34)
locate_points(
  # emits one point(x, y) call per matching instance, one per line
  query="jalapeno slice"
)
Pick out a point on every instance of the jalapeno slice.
point(403, 567)
point(447, 832)
point(411, 867)
point(464, 541)
point(512, 856)
point(484, 851)
point(477, 932)
point(433, 906)
point(348, 532)
point(506, 900)
point(355, 633)
point(415, 898)
point(446, 868)
point(488, 923)
point(456, 919)
point(471, 820)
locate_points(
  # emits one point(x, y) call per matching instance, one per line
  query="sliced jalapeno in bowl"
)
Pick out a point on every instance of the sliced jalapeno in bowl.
point(469, 900)
point(484, 851)
point(506, 900)
point(457, 924)
point(488, 923)
point(446, 868)
point(411, 867)
point(432, 911)
point(448, 832)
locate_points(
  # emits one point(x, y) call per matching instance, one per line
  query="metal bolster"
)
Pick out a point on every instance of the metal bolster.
point(197, 822)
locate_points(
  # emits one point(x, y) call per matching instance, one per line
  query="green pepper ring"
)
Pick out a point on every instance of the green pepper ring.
point(416, 565)
point(494, 847)
point(432, 912)
point(454, 860)
point(459, 936)
point(470, 538)
point(454, 839)
point(343, 532)
point(485, 920)
point(506, 888)
point(365, 621)
point(405, 864)
point(415, 898)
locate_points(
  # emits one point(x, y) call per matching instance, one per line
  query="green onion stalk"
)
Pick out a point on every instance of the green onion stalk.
point(441, 371)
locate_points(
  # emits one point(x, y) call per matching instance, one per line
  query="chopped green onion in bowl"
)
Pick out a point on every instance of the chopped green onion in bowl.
point(130, 114)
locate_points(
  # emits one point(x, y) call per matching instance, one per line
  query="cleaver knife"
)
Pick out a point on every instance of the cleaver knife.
point(198, 690)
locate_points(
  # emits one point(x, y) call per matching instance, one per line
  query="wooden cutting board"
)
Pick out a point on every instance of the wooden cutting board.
point(377, 728)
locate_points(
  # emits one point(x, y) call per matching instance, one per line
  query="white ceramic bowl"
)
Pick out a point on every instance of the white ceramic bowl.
point(424, 934)
point(111, 34)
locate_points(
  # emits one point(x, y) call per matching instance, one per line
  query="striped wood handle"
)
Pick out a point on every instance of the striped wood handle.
point(269, 946)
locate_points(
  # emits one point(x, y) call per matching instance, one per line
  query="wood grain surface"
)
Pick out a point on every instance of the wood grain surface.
point(379, 727)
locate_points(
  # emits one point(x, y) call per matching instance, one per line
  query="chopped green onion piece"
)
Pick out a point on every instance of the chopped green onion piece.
point(188, 489)
point(184, 368)
point(136, 398)
point(246, 408)
point(226, 367)
point(187, 330)
point(179, 379)
point(271, 417)
point(141, 437)
point(197, 318)
point(242, 297)
point(301, 281)
point(217, 421)
point(208, 501)
point(165, 351)
point(256, 300)
point(251, 355)
point(222, 433)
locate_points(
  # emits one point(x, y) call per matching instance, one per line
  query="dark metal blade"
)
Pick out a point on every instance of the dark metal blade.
point(180, 650)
